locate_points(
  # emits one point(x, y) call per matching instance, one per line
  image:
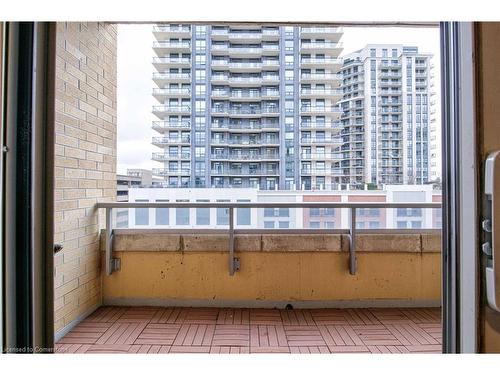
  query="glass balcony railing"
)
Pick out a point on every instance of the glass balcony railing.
point(172, 109)
point(168, 44)
point(171, 60)
point(171, 28)
point(171, 76)
point(170, 140)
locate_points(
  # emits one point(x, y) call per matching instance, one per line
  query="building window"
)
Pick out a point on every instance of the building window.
point(182, 214)
point(223, 213)
point(243, 214)
point(141, 214)
point(162, 214)
point(203, 214)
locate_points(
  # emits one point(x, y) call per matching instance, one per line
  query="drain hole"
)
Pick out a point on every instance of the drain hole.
point(289, 307)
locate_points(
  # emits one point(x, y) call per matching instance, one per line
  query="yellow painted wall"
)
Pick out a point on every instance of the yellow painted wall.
point(275, 276)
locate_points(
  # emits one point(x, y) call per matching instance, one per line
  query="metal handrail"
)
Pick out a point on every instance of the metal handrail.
point(113, 264)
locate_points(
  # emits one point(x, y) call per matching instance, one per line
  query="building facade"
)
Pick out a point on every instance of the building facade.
point(387, 117)
point(284, 218)
point(246, 106)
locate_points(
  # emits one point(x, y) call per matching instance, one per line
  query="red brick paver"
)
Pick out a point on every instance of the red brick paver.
point(160, 330)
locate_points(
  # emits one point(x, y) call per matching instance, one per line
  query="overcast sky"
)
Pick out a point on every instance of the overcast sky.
point(135, 84)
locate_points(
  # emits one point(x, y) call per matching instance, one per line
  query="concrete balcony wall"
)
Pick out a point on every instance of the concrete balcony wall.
point(308, 270)
point(85, 162)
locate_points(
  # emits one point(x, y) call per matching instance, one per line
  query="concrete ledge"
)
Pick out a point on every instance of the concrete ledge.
point(431, 243)
point(301, 242)
point(147, 242)
point(388, 243)
point(306, 242)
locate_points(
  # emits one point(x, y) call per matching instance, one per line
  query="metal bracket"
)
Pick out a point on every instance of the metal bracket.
point(352, 242)
point(234, 263)
point(112, 264)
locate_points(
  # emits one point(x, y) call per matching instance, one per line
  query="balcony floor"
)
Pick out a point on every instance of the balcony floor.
point(227, 330)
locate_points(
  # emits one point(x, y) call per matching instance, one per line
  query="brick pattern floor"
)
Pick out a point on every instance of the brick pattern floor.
point(227, 330)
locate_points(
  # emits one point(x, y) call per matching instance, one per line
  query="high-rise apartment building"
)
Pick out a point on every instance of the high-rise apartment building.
point(246, 105)
point(387, 117)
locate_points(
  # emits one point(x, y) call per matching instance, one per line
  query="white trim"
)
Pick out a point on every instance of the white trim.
point(342, 304)
point(468, 193)
point(63, 331)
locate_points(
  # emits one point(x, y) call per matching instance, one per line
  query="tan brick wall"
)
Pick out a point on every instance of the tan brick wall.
point(85, 160)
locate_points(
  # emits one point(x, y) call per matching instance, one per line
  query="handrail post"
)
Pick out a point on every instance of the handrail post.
point(232, 260)
point(352, 241)
point(109, 241)
point(112, 264)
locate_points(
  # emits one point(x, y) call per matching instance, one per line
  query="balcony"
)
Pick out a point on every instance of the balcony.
point(161, 172)
point(164, 126)
point(407, 261)
point(162, 79)
point(247, 172)
point(162, 94)
point(321, 47)
point(318, 77)
point(162, 157)
point(320, 110)
point(245, 156)
point(165, 32)
point(334, 94)
point(245, 127)
point(327, 62)
point(163, 111)
point(164, 47)
point(162, 64)
point(320, 140)
point(165, 141)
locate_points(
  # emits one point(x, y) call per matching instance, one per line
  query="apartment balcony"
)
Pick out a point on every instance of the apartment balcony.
point(270, 79)
point(165, 126)
point(270, 64)
point(162, 79)
point(162, 94)
point(318, 156)
point(165, 32)
point(331, 33)
point(320, 140)
point(163, 64)
point(166, 141)
point(162, 157)
point(321, 78)
point(327, 62)
point(245, 127)
point(246, 142)
point(270, 34)
point(321, 47)
point(245, 37)
point(245, 67)
point(244, 173)
point(227, 270)
point(245, 96)
point(320, 110)
point(389, 103)
point(242, 52)
point(270, 94)
point(266, 156)
point(162, 172)
point(332, 94)
point(165, 47)
point(270, 49)
point(245, 81)
point(389, 83)
point(328, 125)
point(163, 111)
point(245, 112)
